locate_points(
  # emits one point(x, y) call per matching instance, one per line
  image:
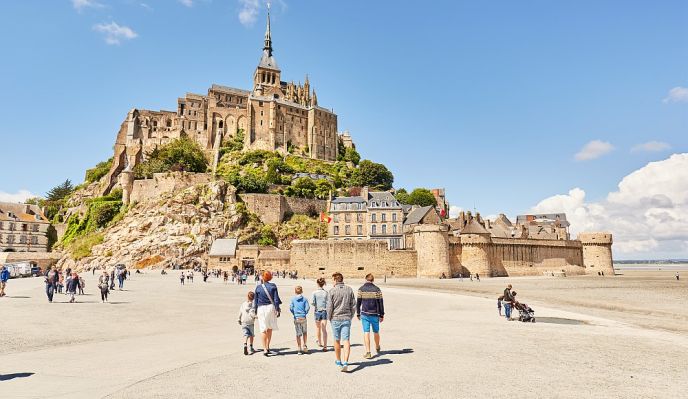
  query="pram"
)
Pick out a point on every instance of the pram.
point(525, 312)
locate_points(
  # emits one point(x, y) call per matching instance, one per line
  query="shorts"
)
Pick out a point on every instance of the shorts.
point(248, 330)
point(321, 315)
point(301, 327)
point(341, 329)
point(370, 321)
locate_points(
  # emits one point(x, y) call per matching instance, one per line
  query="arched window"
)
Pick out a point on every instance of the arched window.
point(220, 124)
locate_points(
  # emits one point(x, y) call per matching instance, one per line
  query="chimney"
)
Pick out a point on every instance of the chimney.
point(364, 193)
point(27, 209)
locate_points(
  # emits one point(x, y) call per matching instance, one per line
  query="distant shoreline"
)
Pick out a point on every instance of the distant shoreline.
point(652, 266)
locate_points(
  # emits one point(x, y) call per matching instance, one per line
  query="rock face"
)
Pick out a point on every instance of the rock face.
point(175, 228)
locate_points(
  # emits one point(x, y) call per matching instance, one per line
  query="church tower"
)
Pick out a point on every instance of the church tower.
point(266, 80)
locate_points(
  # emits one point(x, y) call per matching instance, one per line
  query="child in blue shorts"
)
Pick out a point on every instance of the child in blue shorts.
point(247, 318)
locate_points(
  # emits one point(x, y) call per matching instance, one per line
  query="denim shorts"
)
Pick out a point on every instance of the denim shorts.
point(341, 329)
point(248, 330)
point(370, 321)
point(301, 327)
point(321, 315)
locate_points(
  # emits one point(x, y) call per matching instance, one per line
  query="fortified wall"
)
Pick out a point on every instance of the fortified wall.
point(141, 190)
point(437, 254)
point(273, 208)
point(354, 259)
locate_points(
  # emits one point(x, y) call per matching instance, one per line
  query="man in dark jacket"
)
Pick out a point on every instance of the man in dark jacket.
point(52, 278)
point(370, 309)
point(508, 301)
point(4, 276)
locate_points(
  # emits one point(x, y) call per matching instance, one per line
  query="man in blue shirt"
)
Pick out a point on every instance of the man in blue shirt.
point(4, 276)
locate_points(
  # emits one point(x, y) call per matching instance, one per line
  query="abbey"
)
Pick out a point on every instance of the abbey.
point(274, 115)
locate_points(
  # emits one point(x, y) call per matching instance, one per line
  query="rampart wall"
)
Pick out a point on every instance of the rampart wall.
point(523, 257)
point(272, 208)
point(145, 189)
point(354, 259)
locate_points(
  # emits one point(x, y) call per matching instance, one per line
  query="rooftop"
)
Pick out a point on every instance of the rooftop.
point(223, 247)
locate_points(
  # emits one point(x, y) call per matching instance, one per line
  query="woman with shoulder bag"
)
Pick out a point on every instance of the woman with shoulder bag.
point(267, 305)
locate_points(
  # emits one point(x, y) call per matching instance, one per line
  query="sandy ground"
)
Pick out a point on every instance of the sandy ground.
point(158, 339)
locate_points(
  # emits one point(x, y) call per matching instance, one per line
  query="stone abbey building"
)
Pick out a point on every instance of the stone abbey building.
point(274, 115)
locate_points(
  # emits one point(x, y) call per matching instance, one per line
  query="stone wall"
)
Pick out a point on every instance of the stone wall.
point(147, 189)
point(597, 252)
point(42, 259)
point(354, 259)
point(272, 208)
point(524, 257)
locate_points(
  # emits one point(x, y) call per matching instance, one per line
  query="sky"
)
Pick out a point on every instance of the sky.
point(513, 107)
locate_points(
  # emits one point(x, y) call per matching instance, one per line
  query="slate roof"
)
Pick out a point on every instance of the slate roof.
point(474, 227)
point(417, 215)
point(347, 200)
point(267, 60)
point(223, 247)
point(19, 212)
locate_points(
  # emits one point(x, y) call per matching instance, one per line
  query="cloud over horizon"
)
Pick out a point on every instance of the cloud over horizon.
point(19, 196)
point(593, 150)
point(647, 214)
point(114, 33)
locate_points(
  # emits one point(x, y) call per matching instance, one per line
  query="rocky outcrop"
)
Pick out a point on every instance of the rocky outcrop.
point(175, 228)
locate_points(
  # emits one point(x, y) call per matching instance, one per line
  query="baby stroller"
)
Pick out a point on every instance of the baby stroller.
point(525, 312)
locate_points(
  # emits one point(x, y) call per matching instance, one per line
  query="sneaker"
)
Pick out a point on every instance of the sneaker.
point(245, 350)
point(253, 350)
point(300, 352)
point(367, 356)
point(338, 363)
point(345, 367)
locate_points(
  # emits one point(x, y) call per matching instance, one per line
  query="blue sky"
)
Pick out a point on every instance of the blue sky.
point(491, 100)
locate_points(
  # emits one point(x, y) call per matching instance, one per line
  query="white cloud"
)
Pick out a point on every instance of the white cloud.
point(676, 95)
point(188, 3)
point(19, 196)
point(249, 11)
point(80, 5)
point(115, 33)
point(593, 150)
point(651, 146)
point(146, 6)
point(454, 211)
point(647, 214)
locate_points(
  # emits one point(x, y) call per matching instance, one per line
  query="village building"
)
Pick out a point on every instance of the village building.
point(23, 228)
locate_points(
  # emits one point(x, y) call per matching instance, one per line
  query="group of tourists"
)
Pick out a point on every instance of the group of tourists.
point(56, 280)
point(188, 276)
point(339, 305)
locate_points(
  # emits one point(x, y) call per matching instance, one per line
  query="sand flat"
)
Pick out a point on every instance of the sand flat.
point(160, 340)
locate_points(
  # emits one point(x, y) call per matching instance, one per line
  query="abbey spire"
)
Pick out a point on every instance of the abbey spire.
point(268, 37)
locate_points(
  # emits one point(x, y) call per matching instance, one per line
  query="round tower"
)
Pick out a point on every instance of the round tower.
point(432, 249)
point(597, 253)
point(475, 253)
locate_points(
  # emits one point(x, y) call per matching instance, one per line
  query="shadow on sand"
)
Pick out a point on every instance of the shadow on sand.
point(560, 320)
point(7, 377)
point(358, 366)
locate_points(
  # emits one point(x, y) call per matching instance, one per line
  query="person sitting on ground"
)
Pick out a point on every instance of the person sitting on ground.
point(299, 307)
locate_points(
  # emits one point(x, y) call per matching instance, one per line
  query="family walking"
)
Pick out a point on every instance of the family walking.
point(339, 305)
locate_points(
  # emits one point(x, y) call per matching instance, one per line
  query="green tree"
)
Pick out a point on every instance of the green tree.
point(402, 196)
point(323, 188)
point(422, 197)
point(96, 173)
point(302, 187)
point(267, 236)
point(182, 154)
point(352, 156)
point(373, 175)
point(60, 191)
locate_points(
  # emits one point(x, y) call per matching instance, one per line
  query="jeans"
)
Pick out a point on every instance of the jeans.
point(507, 310)
point(341, 329)
point(121, 283)
point(50, 290)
